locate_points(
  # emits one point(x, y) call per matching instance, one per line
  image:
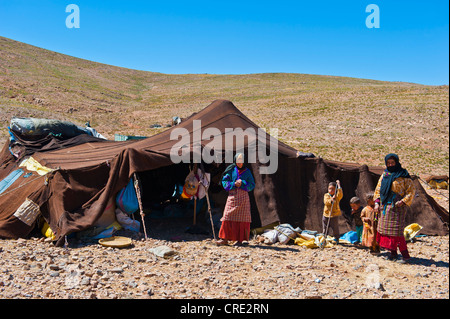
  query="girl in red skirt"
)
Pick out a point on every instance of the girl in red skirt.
point(238, 181)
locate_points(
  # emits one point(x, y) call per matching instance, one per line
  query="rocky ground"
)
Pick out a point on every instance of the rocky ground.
point(35, 268)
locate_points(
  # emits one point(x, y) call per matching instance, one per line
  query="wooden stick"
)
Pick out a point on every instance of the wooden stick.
point(141, 210)
point(195, 210)
point(207, 198)
point(209, 210)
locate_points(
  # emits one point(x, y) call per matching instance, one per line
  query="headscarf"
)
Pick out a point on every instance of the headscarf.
point(232, 166)
point(390, 174)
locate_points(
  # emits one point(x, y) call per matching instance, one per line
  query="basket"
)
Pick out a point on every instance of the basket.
point(115, 241)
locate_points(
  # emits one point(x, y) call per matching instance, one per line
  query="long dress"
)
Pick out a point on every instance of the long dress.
point(392, 219)
point(237, 214)
point(369, 238)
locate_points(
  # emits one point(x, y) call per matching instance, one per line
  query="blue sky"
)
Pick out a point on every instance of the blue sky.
point(239, 37)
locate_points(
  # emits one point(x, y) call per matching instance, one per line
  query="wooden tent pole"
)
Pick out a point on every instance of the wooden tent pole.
point(207, 198)
point(195, 199)
point(195, 210)
point(141, 210)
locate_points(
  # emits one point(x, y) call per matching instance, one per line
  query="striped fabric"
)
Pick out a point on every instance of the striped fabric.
point(392, 220)
point(237, 208)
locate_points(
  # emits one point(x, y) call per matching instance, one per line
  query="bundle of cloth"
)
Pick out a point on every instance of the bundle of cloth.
point(282, 233)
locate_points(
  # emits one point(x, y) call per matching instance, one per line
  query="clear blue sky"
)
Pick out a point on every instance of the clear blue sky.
point(238, 37)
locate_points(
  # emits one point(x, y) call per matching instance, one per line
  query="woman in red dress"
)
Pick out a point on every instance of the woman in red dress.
point(238, 181)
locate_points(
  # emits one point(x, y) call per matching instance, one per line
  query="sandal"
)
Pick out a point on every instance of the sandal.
point(222, 242)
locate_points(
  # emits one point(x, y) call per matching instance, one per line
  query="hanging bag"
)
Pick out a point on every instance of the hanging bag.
point(127, 200)
point(191, 184)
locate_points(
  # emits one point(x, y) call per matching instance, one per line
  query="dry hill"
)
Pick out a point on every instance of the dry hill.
point(338, 118)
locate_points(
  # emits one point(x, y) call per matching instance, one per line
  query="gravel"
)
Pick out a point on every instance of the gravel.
point(34, 268)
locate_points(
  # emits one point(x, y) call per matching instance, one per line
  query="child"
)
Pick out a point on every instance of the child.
point(331, 210)
point(355, 204)
point(369, 219)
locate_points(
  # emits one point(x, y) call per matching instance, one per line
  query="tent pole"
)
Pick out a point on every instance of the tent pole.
point(209, 210)
point(195, 210)
point(141, 210)
point(207, 199)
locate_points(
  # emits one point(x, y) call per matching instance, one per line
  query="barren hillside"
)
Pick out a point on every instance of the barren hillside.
point(338, 118)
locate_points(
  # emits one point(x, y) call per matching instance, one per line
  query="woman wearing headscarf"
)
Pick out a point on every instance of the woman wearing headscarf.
point(394, 193)
point(238, 181)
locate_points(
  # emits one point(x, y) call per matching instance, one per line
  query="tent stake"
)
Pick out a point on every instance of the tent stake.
point(141, 210)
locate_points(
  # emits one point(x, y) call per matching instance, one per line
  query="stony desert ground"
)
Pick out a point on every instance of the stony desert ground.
point(36, 269)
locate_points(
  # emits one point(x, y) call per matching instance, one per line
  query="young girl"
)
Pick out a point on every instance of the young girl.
point(238, 181)
point(370, 218)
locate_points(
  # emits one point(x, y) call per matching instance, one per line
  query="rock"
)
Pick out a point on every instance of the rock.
point(116, 270)
point(163, 251)
point(53, 267)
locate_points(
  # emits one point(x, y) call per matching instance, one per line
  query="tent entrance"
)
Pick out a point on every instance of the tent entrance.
point(169, 216)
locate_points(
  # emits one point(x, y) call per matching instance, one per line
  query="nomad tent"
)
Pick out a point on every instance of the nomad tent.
point(69, 182)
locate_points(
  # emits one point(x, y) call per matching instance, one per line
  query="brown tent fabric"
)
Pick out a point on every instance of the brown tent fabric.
point(88, 174)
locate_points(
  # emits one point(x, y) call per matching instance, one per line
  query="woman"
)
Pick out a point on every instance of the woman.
point(238, 181)
point(394, 193)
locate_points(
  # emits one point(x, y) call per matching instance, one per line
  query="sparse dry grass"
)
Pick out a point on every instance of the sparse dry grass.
point(338, 118)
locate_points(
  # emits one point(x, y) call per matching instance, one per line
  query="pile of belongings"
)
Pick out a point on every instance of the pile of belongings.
point(313, 239)
point(281, 233)
point(350, 237)
point(117, 215)
point(437, 181)
point(28, 126)
point(284, 233)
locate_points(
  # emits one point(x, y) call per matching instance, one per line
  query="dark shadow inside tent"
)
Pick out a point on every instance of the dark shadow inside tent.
point(169, 216)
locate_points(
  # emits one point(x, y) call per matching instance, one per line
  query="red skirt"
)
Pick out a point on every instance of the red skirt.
point(392, 242)
point(235, 231)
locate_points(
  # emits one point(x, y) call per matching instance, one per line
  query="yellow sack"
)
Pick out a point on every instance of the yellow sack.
point(116, 226)
point(308, 243)
point(34, 166)
point(438, 184)
point(411, 231)
point(47, 231)
point(314, 242)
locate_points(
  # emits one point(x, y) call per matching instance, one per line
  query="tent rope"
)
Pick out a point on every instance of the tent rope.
point(436, 190)
point(21, 185)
